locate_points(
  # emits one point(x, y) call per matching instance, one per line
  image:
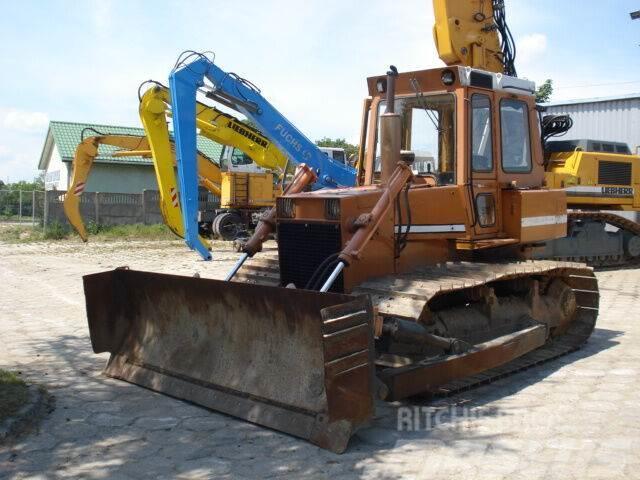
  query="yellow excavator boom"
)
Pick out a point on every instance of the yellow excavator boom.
point(209, 171)
point(214, 125)
point(154, 112)
point(473, 33)
point(86, 153)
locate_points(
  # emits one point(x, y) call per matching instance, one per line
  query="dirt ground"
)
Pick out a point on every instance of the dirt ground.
point(576, 417)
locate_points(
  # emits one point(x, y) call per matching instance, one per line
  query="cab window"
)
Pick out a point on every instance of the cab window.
point(428, 130)
point(338, 156)
point(238, 158)
point(516, 147)
point(481, 134)
point(233, 157)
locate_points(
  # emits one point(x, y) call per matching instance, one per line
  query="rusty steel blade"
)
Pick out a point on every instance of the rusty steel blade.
point(293, 360)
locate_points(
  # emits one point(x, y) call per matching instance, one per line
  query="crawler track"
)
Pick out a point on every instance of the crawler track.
point(586, 289)
point(605, 261)
point(408, 295)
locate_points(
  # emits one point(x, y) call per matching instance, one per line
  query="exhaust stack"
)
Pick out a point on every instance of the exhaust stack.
point(390, 130)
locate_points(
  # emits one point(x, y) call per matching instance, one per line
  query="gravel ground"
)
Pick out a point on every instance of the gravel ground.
point(576, 417)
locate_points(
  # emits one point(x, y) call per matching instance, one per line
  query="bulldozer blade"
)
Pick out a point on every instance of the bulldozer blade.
point(297, 361)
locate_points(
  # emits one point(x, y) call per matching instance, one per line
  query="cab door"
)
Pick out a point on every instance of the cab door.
point(483, 188)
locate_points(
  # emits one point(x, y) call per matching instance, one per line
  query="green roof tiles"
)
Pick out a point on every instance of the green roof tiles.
point(66, 136)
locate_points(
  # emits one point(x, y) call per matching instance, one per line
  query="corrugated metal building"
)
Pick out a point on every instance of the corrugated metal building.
point(615, 119)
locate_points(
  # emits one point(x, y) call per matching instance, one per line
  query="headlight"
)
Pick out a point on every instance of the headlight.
point(486, 209)
point(332, 209)
point(285, 208)
point(448, 77)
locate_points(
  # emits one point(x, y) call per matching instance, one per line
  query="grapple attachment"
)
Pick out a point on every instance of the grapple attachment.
point(293, 360)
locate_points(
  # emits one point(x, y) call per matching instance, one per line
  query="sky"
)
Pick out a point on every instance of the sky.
point(82, 61)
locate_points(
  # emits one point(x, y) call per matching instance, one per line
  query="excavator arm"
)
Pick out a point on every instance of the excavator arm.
point(155, 109)
point(134, 145)
point(241, 95)
point(474, 33)
point(154, 120)
point(213, 124)
point(209, 172)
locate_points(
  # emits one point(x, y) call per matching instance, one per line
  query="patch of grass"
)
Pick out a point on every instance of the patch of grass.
point(21, 233)
point(29, 233)
point(94, 228)
point(133, 232)
point(55, 231)
point(97, 232)
point(13, 394)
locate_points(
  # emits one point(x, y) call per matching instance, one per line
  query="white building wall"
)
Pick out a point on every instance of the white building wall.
point(616, 120)
point(57, 174)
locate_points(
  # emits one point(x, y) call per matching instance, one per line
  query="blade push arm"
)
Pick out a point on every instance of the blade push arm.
point(239, 94)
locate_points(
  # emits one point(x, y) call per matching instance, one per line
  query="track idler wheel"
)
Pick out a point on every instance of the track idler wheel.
point(557, 307)
point(632, 246)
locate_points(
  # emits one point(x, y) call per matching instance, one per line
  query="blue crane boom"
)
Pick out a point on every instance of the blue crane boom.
point(239, 94)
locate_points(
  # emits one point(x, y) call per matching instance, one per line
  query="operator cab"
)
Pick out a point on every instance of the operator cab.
point(235, 160)
point(462, 124)
point(471, 139)
point(335, 153)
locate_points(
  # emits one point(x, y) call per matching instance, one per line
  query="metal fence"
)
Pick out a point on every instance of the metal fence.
point(104, 208)
point(22, 206)
point(43, 208)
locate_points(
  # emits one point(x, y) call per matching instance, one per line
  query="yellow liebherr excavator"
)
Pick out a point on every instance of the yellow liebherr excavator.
point(242, 190)
point(601, 177)
point(409, 283)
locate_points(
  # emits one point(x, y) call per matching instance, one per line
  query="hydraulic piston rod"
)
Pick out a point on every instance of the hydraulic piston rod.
point(236, 267)
point(304, 176)
point(332, 277)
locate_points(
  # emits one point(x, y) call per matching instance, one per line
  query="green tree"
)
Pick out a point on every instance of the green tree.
point(10, 200)
point(544, 91)
point(349, 148)
point(36, 184)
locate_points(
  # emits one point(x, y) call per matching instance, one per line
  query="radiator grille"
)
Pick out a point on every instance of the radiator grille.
point(614, 173)
point(303, 247)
